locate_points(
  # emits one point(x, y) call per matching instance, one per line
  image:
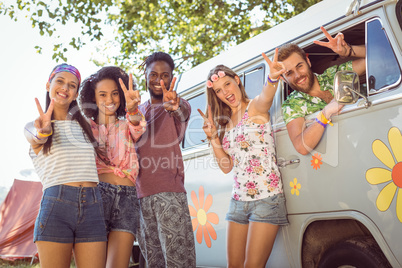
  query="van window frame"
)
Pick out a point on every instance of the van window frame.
point(255, 68)
point(398, 11)
point(387, 87)
point(193, 109)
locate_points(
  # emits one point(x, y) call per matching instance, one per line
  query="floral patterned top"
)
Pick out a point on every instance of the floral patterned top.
point(117, 143)
point(252, 149)
point(299, 104)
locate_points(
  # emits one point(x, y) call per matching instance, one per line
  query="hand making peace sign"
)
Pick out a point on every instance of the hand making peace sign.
point(43, 122)
point(276, 68)
point(337, 44)
point(209, 125)
point(171, 100)
point(133, 97)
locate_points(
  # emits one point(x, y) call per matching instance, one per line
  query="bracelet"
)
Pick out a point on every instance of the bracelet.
point(272, 81)
point(212, 137)
point(175, 111)
point(44, 135)
point(351, 50)
point(321, 123)
point(136, 111)
point(323, 119)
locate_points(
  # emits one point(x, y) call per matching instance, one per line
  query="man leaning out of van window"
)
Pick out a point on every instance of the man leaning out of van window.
point(312, 92)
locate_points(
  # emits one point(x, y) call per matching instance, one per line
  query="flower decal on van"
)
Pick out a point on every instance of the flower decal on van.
point(392, 175)
point(316, 161)
point(295, 187)
point(202, 221)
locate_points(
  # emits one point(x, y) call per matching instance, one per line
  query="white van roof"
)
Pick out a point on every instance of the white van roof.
point(317, 15)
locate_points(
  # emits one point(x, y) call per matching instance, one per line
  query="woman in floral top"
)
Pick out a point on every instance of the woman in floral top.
point(240, 132)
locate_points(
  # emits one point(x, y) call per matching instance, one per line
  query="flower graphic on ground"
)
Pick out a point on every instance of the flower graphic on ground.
point(316, 161)
point(391, 175)
point(295, 187)
point(203, 219)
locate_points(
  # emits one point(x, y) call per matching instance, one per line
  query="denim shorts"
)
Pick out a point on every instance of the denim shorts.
point(121, 207)
point(70, 214)
point(269, 210)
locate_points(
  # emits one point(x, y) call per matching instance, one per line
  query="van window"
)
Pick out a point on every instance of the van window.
point(194, 133)
point(383, 70)
point(254, 80)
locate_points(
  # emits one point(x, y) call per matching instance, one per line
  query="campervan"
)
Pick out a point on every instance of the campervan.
point(344, 199)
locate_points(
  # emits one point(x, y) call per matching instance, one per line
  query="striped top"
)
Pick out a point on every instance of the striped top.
point(71, 157)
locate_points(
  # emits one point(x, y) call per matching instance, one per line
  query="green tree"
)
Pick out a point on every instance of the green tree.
point(190, 30)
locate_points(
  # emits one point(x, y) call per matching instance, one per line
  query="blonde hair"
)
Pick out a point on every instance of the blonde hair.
point(221, 112)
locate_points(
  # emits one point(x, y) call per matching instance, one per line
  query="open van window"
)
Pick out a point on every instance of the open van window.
point(324, 60)
point(382, 68)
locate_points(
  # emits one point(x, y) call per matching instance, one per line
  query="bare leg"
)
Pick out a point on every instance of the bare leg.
point(236, 244)
point(119, 248)
point(90, 254)
point(260, 241)
point(52, 254)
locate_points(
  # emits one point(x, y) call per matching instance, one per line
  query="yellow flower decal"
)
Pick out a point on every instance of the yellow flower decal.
point(393, 175)
point(316, 161)
point(295, 187)
point(202, 221)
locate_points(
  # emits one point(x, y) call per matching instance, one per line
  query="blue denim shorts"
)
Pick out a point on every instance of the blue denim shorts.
point(269, 210)
point(70, 214)
point(121, 207)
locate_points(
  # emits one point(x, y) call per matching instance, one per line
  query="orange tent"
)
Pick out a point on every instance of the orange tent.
point(17, 218)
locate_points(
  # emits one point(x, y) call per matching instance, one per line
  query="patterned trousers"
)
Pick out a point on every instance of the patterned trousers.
point(166, 235)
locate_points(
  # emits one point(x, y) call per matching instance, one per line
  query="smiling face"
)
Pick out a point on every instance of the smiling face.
point(157, 71)
point(299, 74)
point(107, 97)
point(63, 89)
point(228, 91)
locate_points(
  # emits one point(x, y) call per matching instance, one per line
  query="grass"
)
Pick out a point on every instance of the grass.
point(25, 263)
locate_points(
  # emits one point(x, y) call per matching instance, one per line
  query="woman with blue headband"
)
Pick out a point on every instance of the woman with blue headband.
point(62, 150)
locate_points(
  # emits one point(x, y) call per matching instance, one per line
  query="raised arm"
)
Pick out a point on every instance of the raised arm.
point(262, 103)
point(38, 131)
point(343, 49)
point(173, 104)
point(224, 161)
point(134, 116)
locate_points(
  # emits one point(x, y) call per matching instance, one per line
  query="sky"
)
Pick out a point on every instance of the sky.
point(23, 76)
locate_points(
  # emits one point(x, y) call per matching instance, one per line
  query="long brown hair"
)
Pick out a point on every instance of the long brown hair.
point(75, 113)
point(221, 112)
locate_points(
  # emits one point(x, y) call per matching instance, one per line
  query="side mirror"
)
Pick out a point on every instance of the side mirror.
point(347, 88)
